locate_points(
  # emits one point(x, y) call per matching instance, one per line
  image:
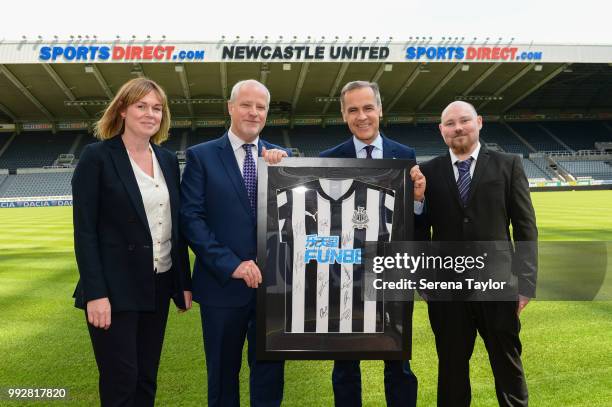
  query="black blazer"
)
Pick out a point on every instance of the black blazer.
point(499, 196)
point(112, 241)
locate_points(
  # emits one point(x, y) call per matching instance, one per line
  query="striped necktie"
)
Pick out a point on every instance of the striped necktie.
point(369, 150)
point(464, 179)
point(249, 174)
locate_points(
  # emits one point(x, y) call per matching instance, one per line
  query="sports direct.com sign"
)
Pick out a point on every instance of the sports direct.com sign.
point(93, 51)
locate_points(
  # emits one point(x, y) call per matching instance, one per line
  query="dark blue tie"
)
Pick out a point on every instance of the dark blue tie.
point(464, 179)
point(249, 173)
point(369, 150)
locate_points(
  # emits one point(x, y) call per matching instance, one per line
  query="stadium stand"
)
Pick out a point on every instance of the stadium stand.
point(424, 138)
point(537, 137)
point(86, 139)
point(37, 149)
point(595, 169)
point(275, 135)
point(544, 165)
point(175, 139)
point(4, 138)
point(533, 171)
point(580, 135)
point(204, 134)
point(36, 184)
point(498, 133)
point(311, 140)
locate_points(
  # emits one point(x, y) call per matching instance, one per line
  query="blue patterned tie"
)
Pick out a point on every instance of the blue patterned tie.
point(249, 173)
point(464, 179)
point(369, 150)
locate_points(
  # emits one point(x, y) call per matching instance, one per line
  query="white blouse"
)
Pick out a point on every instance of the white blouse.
point(156, 200)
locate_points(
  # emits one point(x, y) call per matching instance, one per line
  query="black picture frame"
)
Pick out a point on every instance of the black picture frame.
point(274, 342)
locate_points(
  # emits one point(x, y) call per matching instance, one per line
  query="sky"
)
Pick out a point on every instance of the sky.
point(537, 21)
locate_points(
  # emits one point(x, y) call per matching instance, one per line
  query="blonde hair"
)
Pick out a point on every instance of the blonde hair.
point(111, 123)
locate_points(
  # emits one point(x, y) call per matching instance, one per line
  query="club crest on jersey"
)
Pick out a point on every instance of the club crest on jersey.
point(360, 218)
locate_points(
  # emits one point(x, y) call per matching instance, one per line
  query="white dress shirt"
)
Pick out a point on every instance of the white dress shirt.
point(239, 152)
point(360, 146)
point(156, 200)
point(377, 153)
point(454, 159)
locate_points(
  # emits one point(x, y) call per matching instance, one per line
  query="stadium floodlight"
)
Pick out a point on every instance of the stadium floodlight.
point(537, 67)
point(388, 67)
point(201, 101)
point(471, 98)
point(465, 67)
point(86, 102)
point(327, 99)
point(286, 67)
point(89, 68)
point(179, 68)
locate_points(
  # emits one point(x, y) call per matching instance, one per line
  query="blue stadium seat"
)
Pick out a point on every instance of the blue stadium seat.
point(580, 135)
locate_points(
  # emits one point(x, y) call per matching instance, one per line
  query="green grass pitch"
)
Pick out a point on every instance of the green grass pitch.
point(567, 346)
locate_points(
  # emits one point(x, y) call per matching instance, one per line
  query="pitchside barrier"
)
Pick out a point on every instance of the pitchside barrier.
point(36, 202)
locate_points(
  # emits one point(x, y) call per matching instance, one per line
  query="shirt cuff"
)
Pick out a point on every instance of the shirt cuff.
point(418, 207)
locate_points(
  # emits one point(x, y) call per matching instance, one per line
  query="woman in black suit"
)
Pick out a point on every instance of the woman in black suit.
point(130, 254)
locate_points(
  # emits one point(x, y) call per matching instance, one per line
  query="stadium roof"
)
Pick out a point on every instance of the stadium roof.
point(66, 82)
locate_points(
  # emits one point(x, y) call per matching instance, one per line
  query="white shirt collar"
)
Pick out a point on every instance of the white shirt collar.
point(474, 154)
point(377, 143)
point(237, 142)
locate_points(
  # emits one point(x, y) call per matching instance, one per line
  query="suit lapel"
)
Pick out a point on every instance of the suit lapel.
point(348, 149)
point(449, 175)
point(228, 158)
point(388, 148)
point(126, 175)
point(481, 164)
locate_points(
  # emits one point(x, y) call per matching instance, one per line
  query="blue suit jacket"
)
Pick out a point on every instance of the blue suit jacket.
point(391, 149)
point(217, 222)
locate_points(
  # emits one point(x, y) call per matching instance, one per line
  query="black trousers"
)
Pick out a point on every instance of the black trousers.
point(128, 353)
point(455, 325)
point(400, 383)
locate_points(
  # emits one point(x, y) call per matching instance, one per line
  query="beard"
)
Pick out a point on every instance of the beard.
point(463, 145)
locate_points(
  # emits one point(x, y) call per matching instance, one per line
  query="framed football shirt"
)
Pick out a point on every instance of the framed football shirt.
point(320, 223)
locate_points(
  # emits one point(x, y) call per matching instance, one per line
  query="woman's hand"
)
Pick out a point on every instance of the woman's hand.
point(187, 296)
point(99, 313)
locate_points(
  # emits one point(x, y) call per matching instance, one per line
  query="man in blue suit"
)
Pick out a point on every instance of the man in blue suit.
point(218, 219)
point(361, 108)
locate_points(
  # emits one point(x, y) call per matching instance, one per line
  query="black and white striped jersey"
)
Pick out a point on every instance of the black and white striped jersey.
point(325, 224)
